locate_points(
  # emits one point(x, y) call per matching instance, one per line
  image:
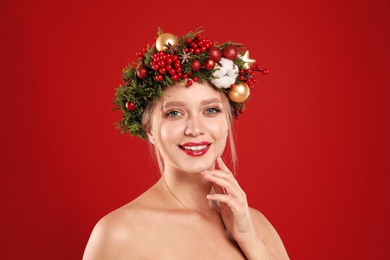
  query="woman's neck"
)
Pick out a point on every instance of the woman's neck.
point(188, 189)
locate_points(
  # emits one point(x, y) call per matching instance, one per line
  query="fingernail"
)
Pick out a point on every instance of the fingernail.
point(207, 175)
point(204, 172)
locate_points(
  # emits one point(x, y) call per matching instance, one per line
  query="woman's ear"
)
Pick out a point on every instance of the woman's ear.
point(151, 138)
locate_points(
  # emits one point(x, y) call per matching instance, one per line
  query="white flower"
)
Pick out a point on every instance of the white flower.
point(225, 73)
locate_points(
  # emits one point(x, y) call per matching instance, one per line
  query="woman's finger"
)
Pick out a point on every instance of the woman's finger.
point(224, 198)
point(224, 185)
point(221, 165)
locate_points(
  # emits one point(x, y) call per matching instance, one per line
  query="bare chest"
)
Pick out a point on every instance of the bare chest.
point(190, 238)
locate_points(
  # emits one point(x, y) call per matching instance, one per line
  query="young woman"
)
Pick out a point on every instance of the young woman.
point(196, 210)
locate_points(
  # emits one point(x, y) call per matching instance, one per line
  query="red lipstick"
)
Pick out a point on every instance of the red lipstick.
point(195, 149)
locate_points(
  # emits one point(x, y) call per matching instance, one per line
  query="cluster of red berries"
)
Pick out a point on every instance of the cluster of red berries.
point(141, 54)
point(249, 76)
point(165, 63)
point(198, 44)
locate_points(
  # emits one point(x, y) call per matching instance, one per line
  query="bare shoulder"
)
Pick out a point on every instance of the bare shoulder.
point(113, 233)
point(262, 224)
point(268, 234)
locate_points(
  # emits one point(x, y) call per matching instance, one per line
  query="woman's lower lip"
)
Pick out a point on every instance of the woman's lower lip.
point(195, 153)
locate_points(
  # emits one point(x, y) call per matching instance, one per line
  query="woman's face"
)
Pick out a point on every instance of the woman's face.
point(193, 127)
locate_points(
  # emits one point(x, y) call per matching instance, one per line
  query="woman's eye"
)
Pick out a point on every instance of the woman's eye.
point(212, 110)
point(173, 114)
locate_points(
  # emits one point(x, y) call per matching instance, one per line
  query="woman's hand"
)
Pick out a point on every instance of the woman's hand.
point(237, 217)
point(234, 207)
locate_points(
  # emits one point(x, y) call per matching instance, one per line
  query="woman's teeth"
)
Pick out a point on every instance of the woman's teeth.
point(195, 148)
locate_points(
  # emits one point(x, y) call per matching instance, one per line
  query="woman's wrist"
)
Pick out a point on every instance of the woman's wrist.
point(254, 248)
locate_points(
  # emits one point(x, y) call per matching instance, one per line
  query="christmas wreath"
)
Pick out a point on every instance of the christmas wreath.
point(186, 59)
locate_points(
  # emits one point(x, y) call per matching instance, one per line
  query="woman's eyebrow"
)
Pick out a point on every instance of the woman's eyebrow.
point(210, 101)
point(182, 104)
point(174, 104)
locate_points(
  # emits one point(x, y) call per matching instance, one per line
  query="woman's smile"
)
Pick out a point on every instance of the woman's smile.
point(195, 149)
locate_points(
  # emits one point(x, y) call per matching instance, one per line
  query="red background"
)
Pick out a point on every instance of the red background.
point(313, 145)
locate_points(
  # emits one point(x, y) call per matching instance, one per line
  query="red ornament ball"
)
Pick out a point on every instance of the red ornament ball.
point(230, 52)
point(159, 77)
point(215, 53)
point(209, 64)
point(196, 65)
point(130, 105)
point(142, 73)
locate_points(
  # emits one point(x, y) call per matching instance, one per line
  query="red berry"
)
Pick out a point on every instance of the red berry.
point(177, 64)
point(130, 105)
point(195, 79)
point(169, 60)
point(230, 52)
point(266, 71)
point(159, 77)
point(175, 77)
point(163, 70)
point(189, 82)
point(209, 64)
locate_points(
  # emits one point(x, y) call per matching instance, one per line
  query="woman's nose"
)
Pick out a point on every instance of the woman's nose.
point(194, 127)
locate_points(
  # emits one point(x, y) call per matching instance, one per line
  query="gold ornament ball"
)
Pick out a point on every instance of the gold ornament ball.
point(239, 92)
point(165, 39)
